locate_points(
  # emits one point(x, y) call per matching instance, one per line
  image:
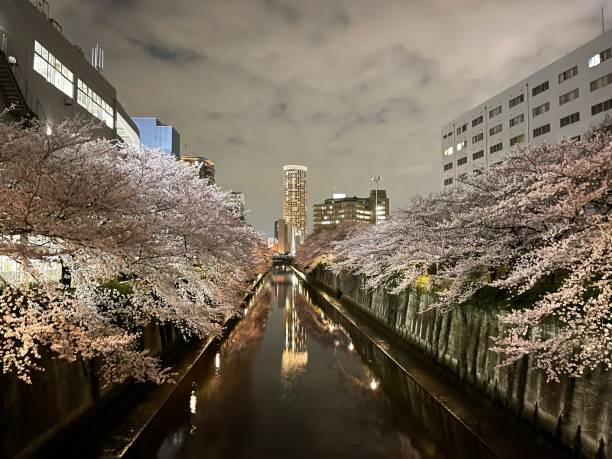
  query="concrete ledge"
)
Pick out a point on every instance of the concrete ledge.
point(497, 429)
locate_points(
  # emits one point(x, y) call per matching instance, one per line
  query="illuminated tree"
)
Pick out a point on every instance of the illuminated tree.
point(108, 211)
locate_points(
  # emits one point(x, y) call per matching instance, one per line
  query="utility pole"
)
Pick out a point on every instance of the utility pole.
point(376, 179)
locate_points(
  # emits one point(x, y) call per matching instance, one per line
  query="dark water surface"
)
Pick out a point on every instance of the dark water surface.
point(293, 380)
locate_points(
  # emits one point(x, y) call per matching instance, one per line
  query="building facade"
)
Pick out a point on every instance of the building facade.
point(44, 76)
point(284, 235)
point(563, 100)
point(294, 199)
point(157, 135)
point(206, 166)
point(237, 198)
point(340, 208)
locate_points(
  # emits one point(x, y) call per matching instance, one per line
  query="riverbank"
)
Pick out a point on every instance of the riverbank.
point(504, 435)
point(73, 408)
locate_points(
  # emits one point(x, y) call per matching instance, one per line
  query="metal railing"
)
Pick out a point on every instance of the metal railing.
point(31, 101)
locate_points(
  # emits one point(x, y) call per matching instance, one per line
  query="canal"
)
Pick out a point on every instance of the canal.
point(293, 380)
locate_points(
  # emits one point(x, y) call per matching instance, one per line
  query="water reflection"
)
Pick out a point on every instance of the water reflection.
point(293, 379)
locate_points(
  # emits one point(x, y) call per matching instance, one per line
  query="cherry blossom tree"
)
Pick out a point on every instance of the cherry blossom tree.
point(540, 217)
point(107, 211)
point(318, 248)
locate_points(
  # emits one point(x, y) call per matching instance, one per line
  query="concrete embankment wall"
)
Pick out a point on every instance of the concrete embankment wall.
point(31, 414)
point(69, 394)
point(577, 412)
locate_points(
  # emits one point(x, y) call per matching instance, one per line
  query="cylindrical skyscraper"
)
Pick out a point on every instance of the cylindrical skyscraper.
point(294, 200)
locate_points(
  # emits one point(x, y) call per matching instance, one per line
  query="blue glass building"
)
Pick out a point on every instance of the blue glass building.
point(155, 134)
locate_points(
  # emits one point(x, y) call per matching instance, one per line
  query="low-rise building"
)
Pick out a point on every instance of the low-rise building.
point(44, 76)
point(157, 135)
point(206, 166)
point(340, 208)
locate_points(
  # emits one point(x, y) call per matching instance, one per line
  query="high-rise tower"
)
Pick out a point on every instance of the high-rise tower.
point(294, 199)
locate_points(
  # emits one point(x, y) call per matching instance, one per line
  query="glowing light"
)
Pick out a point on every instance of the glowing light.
point(374, 384)
point(331, 328)
point(351, 347)
point(49, 131)
point(192, 402)
point(217, 361)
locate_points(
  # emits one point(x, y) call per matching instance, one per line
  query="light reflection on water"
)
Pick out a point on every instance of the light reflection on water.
point(293, 380)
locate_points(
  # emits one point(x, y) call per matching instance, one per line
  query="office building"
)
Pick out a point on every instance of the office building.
point(237, 198)
point(340, 208)
point(206, 166)
point(563, 100)
point(294, 199)
point(157, 135)
point(284, 235)
point(45, 76)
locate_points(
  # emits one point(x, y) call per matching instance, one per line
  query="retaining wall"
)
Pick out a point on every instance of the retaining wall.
point(32, 414)
point(577, 412)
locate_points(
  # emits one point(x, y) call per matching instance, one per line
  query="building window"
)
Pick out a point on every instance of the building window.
point(52, 70)
point(448, 166)
point(517, 120)
point(448, 181)
point(478, 155)
point(598, 58)
point(516, 100)
point(94, 104)
point(448, 151)
point(477, 138)
point(570, 119)
point(464, 127)
point(541, 109)
point(495, 129)
point(477, 121)
point(569, 73)
point(496, 111)
point(601, 82)
point(497, 147)
point(518, 139)
point(461, 145)
point(601, 107)
point(569, 96)
point(541, 130)
point(462, 161)
point(539, 88)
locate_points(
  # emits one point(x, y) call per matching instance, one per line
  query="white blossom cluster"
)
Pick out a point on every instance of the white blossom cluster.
point(538, 222)
point(118, 219)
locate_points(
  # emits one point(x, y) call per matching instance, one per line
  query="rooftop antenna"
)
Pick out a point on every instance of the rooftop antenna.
point(97, 58)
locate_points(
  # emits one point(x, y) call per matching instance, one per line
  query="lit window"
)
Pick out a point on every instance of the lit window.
point(448, 151)
point(598, 58)
point(52, 70)
point(94, 104)
point(461, 145)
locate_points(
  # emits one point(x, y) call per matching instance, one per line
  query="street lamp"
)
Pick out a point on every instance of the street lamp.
point(376, 179)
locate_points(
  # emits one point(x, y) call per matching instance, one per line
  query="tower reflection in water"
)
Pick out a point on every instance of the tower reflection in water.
point(295, 353)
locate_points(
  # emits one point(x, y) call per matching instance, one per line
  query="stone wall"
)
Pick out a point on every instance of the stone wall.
point(32, 414)
point(577, 412)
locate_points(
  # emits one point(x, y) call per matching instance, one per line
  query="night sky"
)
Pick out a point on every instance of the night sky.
point(350, 89)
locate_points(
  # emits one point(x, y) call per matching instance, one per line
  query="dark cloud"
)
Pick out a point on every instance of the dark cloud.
point(349, 88)
point(282, 9)
point(279, 109)
point(166, 53)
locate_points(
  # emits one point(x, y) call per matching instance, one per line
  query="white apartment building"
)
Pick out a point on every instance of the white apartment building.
point(563, 100)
